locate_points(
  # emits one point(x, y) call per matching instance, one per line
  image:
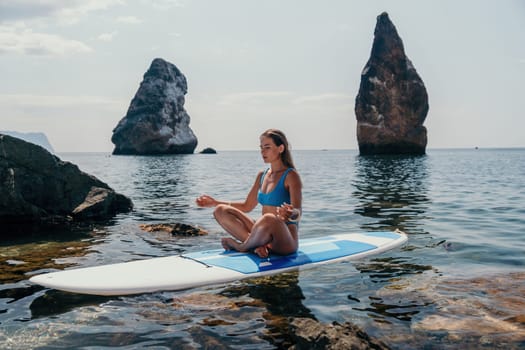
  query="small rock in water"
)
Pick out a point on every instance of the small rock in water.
point(208, 150)
point(178, 229)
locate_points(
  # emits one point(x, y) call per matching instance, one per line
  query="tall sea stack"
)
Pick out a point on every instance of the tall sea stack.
point(156, 121)
point(392, 102)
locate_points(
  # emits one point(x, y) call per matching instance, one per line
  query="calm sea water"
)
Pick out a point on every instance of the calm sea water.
point(458, 283)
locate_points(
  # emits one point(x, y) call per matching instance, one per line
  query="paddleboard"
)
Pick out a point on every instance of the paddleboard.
point(196, 269)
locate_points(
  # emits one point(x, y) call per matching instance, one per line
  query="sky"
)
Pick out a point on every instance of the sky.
point(69, 68)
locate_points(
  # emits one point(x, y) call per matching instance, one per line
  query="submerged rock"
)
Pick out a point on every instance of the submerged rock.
point(36, 186)
point(156, 121)
point(311, 334)
point(495, 305)
point(178, 229)
point(392, 102)
point(29, 256)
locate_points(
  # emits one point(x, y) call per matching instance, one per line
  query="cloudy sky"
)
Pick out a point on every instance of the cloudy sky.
point(69, 68)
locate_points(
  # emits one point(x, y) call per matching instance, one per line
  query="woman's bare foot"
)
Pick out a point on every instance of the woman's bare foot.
point(262, 251)
point(229, 243)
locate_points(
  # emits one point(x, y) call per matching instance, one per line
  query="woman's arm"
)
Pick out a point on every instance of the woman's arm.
point(293, 210)
point(295, 188)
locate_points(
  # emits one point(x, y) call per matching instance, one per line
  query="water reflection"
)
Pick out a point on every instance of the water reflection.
point(392, 191)
point(282, 297)
point(273, 291)
point(383, 270)
point(390, 272)
point(158, 184)
point(54, 302)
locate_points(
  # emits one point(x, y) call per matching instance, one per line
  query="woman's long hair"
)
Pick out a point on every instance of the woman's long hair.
point(279, 138)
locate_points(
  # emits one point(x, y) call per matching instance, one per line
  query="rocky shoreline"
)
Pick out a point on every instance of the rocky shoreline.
point(37, 187)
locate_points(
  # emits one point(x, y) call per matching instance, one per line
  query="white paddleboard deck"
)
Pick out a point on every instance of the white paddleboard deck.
point(216, 266)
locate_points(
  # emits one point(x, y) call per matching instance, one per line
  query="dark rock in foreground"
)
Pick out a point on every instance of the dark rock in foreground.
point(310, 334)
point(156, 121)
point(36, 186)
point(392, 102)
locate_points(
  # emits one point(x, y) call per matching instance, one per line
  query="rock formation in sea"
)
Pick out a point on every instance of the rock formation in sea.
point(156, 121)
point(392, 102)
point(38, 138)
point(38, 187)
point(208, 150)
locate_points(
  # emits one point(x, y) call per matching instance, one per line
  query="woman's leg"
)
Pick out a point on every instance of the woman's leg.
point(267, 230)
point(234, 221)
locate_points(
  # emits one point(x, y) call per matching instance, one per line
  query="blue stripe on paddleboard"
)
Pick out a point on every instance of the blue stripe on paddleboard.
point(308, 253)
point(390, 235)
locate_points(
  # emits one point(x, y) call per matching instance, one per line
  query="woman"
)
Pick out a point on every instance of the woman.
point(279, 191)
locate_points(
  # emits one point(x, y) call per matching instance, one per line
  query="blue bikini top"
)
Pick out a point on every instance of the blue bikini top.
point(278, 195)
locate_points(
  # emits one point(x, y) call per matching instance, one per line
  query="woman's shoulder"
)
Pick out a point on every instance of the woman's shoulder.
point(293, 175)
point(260, 174)
point(293, 171)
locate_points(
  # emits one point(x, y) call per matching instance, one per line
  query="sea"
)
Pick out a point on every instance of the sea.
point(458, 283)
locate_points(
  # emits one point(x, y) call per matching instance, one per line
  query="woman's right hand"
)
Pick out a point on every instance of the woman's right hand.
point(206, 201)
point(286, 212)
